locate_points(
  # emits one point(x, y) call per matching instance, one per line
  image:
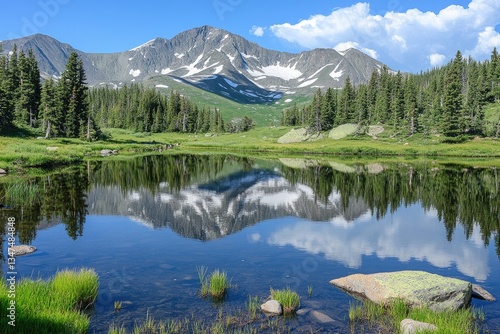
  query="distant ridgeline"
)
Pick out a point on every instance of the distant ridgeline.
point(66, 107)
point(449, 100)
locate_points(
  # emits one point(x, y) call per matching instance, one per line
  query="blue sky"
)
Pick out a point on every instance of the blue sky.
point(409, 35)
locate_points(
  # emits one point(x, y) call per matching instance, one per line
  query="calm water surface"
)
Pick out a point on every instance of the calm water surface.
point(145, 226)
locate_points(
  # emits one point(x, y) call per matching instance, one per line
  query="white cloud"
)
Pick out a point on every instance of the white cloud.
point(353, 45)
point(402, 38)
point(257, 31)
point(486, 41)
point(437, 59)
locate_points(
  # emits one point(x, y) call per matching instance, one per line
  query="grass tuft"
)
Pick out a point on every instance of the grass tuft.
point(386, 319)
point(288, 299)
point(216, 285)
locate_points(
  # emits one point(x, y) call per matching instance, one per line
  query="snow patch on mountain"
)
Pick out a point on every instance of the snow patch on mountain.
point(179, 55)
point(284, 72)
point(231, 58)
point(148, 43)
point(321, 69)
point(337, 74)
point(161, 86)
point(166, 71)
point(135, 73)
point(249, 56)
point(218, 69)
point(307, 83)
point(192, 70)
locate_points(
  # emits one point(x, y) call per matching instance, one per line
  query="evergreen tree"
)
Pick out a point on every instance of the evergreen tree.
point(383, 100)
point(73, 117)
point(328, 109)
point(452, 99)
point(362, 104)
point(28, 90)
point(315, 123)
point(345, 112)
point(397, 101)
point(49, 108)
point(410, 106)
point(5, 102)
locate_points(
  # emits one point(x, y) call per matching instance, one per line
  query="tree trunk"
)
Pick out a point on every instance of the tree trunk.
point(47, 134)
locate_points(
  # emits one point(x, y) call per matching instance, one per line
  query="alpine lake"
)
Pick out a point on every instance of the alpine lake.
point(147, 224)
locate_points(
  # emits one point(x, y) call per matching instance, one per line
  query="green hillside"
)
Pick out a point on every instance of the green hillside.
point(262, 114)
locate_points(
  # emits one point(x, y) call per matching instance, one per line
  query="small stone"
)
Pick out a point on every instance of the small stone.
point(3, 171)
point(409, 326)
point(106, 152)
point(52, 148)
point(272, 307)
point(303, 311)
point(21, 250)
point(321, 317)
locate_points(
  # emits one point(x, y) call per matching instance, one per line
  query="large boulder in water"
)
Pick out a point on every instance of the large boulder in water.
point(417, 288)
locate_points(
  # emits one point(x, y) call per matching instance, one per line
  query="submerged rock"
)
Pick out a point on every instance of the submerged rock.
point(417, 288)
point(19, 250)
point(272, 307)
point(479, 292)
point(321, 317)
point(409, 326)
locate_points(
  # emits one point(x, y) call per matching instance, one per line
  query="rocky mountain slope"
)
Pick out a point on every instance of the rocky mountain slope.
point(213, 60)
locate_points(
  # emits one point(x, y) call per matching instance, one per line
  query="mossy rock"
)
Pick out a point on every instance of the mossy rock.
point(299, 135)
point(343, 131)
point(416, 288)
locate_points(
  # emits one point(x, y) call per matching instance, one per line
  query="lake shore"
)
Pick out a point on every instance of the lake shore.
point(25, 150)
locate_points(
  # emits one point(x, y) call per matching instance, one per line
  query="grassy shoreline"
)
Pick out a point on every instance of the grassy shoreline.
point(54, 306)
point(20, 152)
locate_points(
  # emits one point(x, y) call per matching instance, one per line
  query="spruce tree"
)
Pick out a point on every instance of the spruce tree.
point(410, 106)
point(5, 104)
point(49, 109)
point(452, 98)
point(28, 90)
point(397, 101)
point(345, 112)
point(328, 109)
point(73, 117)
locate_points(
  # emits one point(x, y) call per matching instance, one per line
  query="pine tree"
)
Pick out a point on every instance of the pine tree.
point(28, 90)
point(315, 123)
point(397, 101)
point(410, 106)
point(73, 116)
point(383, 100)
point(362, 104)
point(328, 109)
point(5, 104)
point(345, 112)
point(49, 108)
point(452, 99)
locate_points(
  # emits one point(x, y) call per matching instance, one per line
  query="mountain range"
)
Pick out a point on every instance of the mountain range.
point(212, 60)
